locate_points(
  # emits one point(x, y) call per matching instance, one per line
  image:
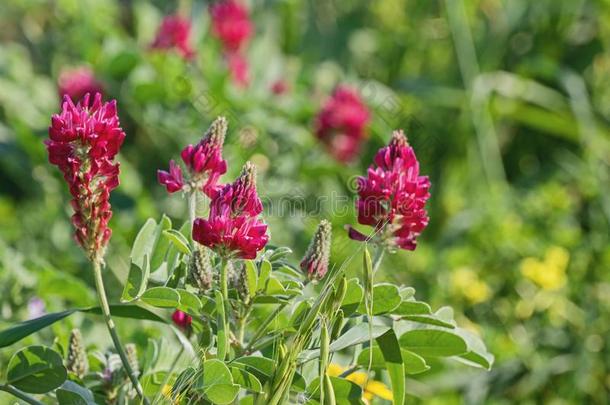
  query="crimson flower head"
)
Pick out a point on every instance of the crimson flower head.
point(77, 82)
point(174, 33)
point(341, 124)
point(233, 227)
point(231, 24)
point(182, 319)
point(392, 197)
point(279, 87)
point(83, 141)
point(203, 161)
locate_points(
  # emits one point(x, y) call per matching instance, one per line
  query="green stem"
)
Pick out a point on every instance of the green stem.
point(262, 329)
point(101, 295)
point(192, 207)
point(224, 291)
point(378, 258)
point(19, 394)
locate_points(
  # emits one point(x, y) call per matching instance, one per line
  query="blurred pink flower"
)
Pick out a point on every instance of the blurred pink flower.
point(393, 196)
point(174, 33)
point(77, 82)
point(341, 124)
point(279, 87)
point(233, 228)
point(239, 69)
point(83, 141)
point(231, 24)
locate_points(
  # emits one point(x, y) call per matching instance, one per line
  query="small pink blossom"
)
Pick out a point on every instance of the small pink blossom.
point(174, 33)
point(203, 161)
point(182, 319)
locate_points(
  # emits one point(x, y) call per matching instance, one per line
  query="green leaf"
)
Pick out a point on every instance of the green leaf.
point(137, 280)
point(246, 379)
point(178, 240)
point(263, 276)
point(412, 308)
point(130, 311)
point(251, 277)
point(144, 242)
point(222, 326)
point(161, 297)
point(261, 367)
point(429, 320)
point(71, 393)
point(386, 297)
point(26, 328)
point(394, 364)
point(346, 392)
point(477, 355)
point(353, 297)
point(222, 394)
point(356, 335)
point(162, 244)
point(274, 287)
point(378, 360)
point(414, 364)
point(214, 372)
point(189, 302)
point(36, 370)
point(153, 383)
point(433, 342)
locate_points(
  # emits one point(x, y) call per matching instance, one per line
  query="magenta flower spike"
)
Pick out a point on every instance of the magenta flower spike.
point(392, 197)
point(83, 141)
point(233, 228)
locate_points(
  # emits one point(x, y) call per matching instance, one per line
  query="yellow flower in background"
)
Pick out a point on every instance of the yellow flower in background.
point(466, 282)
point(370, 387)
point(549, 273)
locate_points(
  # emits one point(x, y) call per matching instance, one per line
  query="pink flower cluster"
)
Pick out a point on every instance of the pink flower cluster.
point(231, 24)
point(341, 124)
point(174, 33)
point(77, 82)
point(233, 227)
point(392, 197)
point(203, 161)
point(83, 141)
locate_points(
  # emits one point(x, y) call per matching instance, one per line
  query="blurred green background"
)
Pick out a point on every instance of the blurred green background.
point(506, 102)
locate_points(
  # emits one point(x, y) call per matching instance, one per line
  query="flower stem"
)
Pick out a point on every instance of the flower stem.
point(192, 207)
point(19, 394)
point(101, 295)
point(224, 291)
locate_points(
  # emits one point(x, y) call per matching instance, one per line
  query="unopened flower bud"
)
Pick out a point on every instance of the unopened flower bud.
point(240, 282)
point(200, 269)
point(182, 319)
point(315, 261)
point(132, 357)
point(77, 362)
point(216, 132)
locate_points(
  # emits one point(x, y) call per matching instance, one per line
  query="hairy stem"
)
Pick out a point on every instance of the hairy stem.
point(101, 295)
point(19, 394)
